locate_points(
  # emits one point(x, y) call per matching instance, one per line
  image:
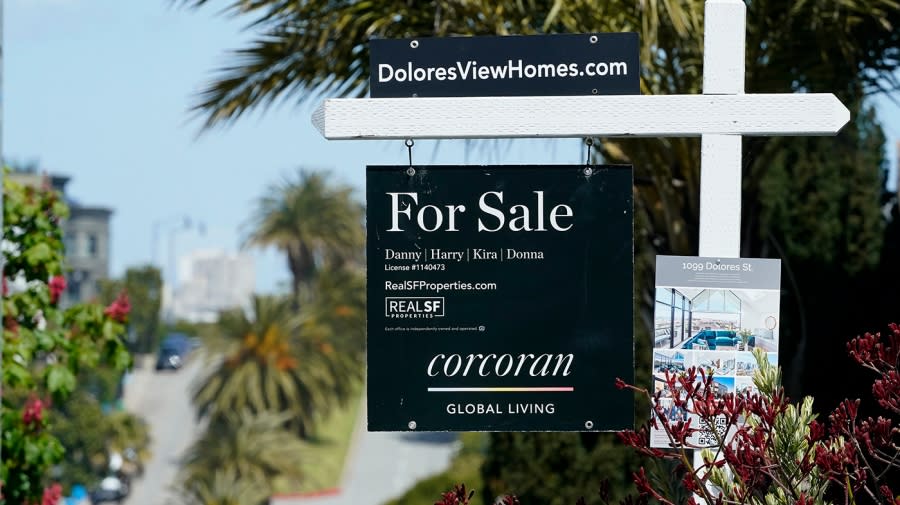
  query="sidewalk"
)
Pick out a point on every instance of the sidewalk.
point(136, 381)
point(382, 466)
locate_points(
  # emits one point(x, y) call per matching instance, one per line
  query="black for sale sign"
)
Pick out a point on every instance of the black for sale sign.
point(500, 298)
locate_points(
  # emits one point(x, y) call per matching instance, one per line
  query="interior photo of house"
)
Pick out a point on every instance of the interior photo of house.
point(694, 319)
point(669, 360)
point(716, 363)
point(746, 364)
point(745, 385)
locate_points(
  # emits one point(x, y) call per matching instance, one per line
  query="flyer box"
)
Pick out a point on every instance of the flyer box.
point(710, 314)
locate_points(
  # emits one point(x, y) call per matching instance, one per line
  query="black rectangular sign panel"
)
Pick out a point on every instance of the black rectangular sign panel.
point(535, 65)
point(499, 298)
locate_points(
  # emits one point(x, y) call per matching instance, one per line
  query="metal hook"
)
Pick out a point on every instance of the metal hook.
point(588, 170)
point(409, 145)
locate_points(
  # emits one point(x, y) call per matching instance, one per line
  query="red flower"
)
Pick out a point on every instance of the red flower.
point(10, 323)
point(52, 495)
point(876, 352)
point(5, 287)
point(632, 438)
point(57, 285)
point(804, 500)
point(458, 496)
point(681, 431)
point(690, 483)
point(816, 432)
point(120, 307)
point(33, 413)
point(642, 482)
point(887, 390)
point(876, 434)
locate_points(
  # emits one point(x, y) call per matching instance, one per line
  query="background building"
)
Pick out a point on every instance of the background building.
point(86, 237)
point(211, 281)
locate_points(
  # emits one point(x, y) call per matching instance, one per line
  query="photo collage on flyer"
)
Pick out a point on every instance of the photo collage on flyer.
point(711, 313)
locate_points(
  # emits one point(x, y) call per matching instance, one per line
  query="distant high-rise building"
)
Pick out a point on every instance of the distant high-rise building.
point(213, 280)
point(86, 238)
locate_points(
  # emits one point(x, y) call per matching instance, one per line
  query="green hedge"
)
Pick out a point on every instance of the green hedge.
point(464, 469)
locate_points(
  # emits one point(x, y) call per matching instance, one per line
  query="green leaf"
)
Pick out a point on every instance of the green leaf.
point(110, 330)
point(121, 358)
point(45, 340)
point(33, 452)
point(38, 254)
point(15, 374)
point(60, 380)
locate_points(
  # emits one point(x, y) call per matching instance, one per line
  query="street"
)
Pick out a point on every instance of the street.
point(380, 466)
point(163, 400)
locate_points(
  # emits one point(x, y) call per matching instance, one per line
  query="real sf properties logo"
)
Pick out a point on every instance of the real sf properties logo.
point(414, 307)
point(517, 69)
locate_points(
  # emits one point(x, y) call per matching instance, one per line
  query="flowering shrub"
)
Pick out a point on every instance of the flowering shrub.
point(44, 347)
point(768, 451)
point(774, 452)
point(459, 496)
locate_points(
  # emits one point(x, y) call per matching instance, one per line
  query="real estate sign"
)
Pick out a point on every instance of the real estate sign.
point(499, 298)
point(711, 313)
point(538, 65)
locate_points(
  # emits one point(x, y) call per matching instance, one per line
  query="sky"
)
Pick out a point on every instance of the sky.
point(100, 90)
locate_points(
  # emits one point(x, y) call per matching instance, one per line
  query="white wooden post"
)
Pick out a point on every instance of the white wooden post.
point(724, 38)
point(720, 155)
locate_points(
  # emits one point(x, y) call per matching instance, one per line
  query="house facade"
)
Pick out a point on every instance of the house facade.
point(86, 234)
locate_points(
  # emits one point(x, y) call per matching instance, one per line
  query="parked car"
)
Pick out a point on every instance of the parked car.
point(169, 359)
point(111, 489)
point(173, 351)
point(184, 344)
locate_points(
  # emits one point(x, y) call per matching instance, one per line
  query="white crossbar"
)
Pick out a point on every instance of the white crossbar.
point(581, 116)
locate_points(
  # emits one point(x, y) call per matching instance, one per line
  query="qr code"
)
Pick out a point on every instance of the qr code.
point(706, 436)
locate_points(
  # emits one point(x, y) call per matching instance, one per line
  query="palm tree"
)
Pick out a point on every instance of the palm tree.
point(129, 436)
point(270, 364)
point(315, 222)
point(224, 488)
point(255, 447)
point(338, 312)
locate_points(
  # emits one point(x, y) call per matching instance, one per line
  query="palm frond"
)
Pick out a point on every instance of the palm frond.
point(251, 445)
point(278, 361)
point(224, 487)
